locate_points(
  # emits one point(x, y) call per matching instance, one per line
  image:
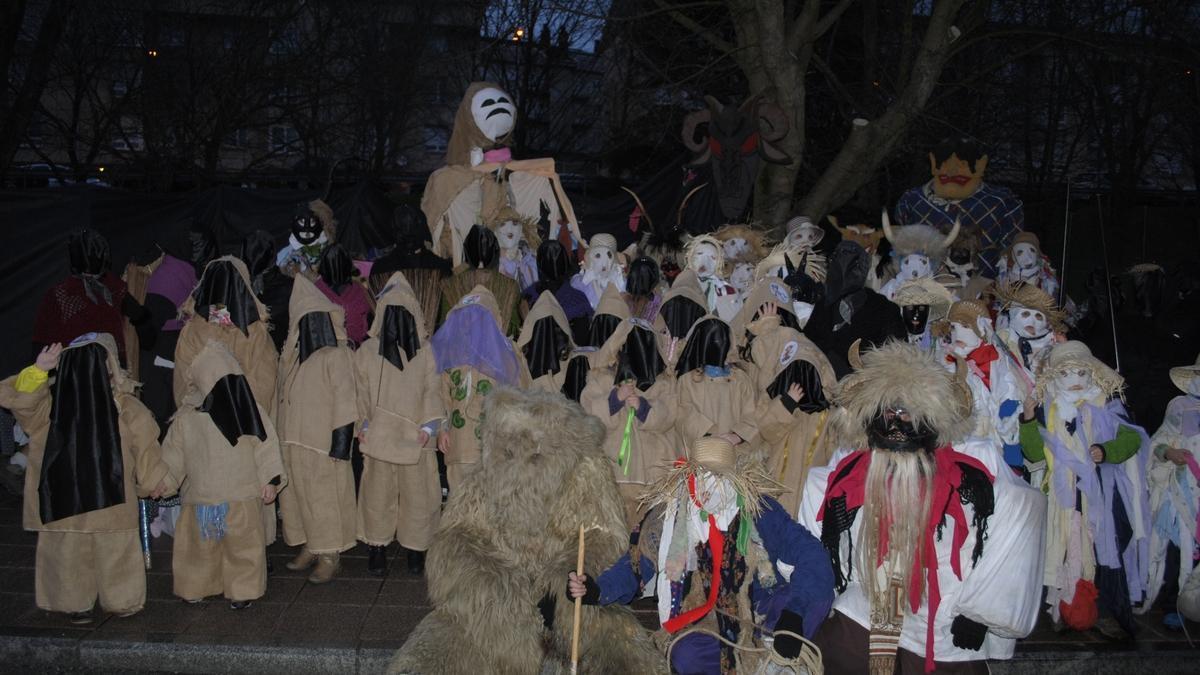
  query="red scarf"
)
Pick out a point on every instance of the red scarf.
point(716, 544)
point(947, 477)
point(980, 361)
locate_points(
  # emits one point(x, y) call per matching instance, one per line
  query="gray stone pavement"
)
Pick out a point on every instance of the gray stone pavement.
point(355, 623)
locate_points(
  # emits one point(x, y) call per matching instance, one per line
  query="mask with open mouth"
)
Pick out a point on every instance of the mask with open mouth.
point(893, 429)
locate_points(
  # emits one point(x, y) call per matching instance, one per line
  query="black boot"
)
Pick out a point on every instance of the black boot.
point(416, 562)
point(377, 560)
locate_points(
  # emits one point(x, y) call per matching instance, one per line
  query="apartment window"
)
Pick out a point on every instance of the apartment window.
point(283, 139)
point(436, 140)
point(119, 88)
point(238, 138)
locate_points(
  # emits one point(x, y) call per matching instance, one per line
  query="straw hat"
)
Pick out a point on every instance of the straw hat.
point(968, 313)
point(1032, 297)
point(925, 291)
point(714, 453)
point(1183, 376)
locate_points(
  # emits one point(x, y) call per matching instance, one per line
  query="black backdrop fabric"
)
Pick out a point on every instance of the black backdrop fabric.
point(34, 226)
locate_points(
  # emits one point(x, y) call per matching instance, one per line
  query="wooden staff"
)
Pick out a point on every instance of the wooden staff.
point(578, 609)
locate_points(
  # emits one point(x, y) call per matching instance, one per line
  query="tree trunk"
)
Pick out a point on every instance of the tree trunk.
point(870, 143)
point(17, 117)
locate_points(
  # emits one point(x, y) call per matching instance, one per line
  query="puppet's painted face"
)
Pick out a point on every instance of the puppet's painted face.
point(954, 179)
point(715, 494)
point(804, 237)
point(742, 277)
point(963, 339)
point(704, 260)
point(736, 248)
point(1025, 256)
point(915, 318)
point(1073, 380)
point(306, 228)
point(599, 260)
point(493, 111)
point(914, 266)
point(509, 235)
point(1028, 323)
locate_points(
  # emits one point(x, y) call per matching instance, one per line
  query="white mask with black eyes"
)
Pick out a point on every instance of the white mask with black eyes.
point(742, 277)
point(736, 248)
point(963, 339)
point(914, 266)
point(508, 235)
point(1025, 256)
point(802, 238)
point(1074, 384)
point(704, 260)
point(599, 260)
point(493, 111)
point(1028, 323)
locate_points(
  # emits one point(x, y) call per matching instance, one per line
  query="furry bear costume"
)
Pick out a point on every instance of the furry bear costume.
point(507, 539)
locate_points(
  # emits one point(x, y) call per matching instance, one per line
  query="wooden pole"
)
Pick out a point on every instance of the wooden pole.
point(578, 609)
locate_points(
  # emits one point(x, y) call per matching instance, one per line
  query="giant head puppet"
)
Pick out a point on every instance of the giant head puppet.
point(957, 166)
point(484, 122)
point(734, 141)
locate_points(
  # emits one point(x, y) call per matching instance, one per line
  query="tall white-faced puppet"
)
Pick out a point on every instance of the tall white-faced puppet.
point(917, 252)
point(706, 257)
point(481, 178)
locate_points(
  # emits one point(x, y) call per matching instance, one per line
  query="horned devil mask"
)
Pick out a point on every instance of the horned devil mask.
point(738, 139)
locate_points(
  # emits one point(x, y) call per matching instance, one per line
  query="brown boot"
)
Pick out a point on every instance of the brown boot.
point(303, 560)
point(327, 566)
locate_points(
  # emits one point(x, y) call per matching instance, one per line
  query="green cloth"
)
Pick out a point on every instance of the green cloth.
point(1032, 445)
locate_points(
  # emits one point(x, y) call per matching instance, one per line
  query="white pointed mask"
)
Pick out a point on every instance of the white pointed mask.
point(963, 339)
point(736, 248)
point(493, 111)
point(599, 260)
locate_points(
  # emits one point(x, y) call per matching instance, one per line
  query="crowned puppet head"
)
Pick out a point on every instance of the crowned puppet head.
point(1032, 313)
point(917, 250)
point(957, 165)
point(705, 256)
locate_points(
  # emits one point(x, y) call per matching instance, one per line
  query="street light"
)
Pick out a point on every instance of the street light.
point(519, 35)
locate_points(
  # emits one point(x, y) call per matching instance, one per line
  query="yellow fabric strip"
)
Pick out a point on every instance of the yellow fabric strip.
point(30, 379)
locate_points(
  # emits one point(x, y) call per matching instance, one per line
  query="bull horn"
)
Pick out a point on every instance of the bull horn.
point(833, 221)
point(690, 123)
point(887, 225)
point(853, 356)
point(953, 232)
point(772, 122)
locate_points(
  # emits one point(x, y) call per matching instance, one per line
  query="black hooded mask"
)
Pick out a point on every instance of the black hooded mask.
point(554, 266)
point(708, 345)
point(642, 280)
point(804, 374)
point(679, 314)
point(197, 247)
point(316, 332)
point(306, 227)
point(409, 228)
point(82, 466)
point(398, 334)
point(231, 406)
point(576, 378)
point(639, 360)
point(223, 285)
point(258, 252)
point(89, 256)
point(888, 430)
point(480, 248)
point(848, 268)
point(336, 267)
point(601, 328)
point(547, 348)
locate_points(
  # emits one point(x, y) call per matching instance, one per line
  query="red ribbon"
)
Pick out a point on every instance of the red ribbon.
point(716, 545)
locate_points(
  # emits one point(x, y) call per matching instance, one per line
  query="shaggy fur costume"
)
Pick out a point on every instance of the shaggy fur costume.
point(507, 539)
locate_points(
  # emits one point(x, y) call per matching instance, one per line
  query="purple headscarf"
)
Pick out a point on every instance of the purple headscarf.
point(470, 337)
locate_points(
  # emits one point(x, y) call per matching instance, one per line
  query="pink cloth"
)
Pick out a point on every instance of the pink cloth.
point(356, 305)
point(498, 156)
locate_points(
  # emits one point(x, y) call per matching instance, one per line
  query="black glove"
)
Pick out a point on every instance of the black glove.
point(591, 596)
point(785, 645)
point(968, 634)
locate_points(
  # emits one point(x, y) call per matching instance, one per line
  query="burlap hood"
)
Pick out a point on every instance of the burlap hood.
point(188, 308)
point(466, 133)
point(770, 289)
point(780, 347)
point(546, 306)
point(480, 295)
point(612, 303)
point(212, 363)
point(397, 291)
